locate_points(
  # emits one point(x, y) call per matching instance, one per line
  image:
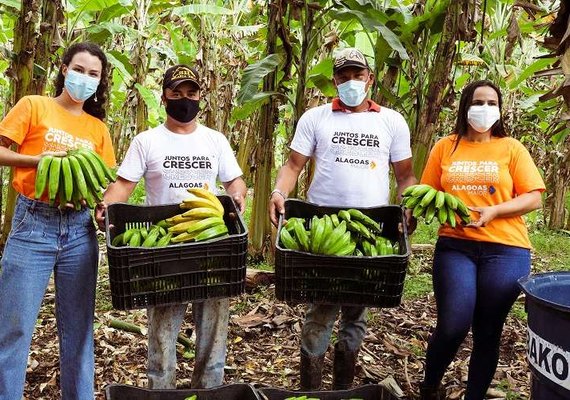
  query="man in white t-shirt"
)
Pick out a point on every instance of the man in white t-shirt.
point(353, 142)
point(175, 156)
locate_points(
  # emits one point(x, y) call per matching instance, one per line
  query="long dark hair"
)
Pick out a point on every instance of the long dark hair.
point(95, 108)
point(462, 125)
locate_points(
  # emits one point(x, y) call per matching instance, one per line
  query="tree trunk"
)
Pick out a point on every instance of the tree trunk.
point(260, 228)
point(21, 71)
point(559, 187)
point(424, 131)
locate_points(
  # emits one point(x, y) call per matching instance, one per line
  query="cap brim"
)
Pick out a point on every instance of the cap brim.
point(173, 85)
point(350, 64)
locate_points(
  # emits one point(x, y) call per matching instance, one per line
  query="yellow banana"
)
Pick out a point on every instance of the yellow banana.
point(202, 212)
point(182, 226)
point(198, 202)
point(206, 194)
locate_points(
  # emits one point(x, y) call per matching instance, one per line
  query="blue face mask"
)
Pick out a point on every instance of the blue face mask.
point(352, 93)
point(80, 86)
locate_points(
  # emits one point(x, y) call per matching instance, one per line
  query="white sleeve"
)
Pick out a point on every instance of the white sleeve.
point(228, 167)
point(400, 148)
point(133, 166)
point(304, 139)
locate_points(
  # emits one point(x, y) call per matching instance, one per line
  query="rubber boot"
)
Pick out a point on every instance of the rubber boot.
point(431, 393)
point(344, 366)
point(311, 371)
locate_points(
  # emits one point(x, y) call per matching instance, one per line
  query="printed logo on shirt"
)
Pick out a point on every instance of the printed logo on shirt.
point(355, 149)
point(474, 177)
point(187, 171)
point(59, 140)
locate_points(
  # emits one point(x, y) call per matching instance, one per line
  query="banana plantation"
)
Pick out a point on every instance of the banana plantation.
point(263, 63)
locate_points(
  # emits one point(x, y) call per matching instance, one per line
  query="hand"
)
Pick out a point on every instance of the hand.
point(486, 215)
point(276, 208)
point(411, 222)
point(240, 202)
point(100, 215)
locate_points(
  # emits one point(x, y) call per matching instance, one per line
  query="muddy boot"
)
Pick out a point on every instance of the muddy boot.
point(431, 393)
point(311, 371)
point(343, 367)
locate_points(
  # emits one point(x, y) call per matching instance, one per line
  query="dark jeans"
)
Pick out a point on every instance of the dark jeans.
point(475, 285)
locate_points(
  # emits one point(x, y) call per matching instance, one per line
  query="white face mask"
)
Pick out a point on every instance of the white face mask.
point(352, 93)
point(482, 118)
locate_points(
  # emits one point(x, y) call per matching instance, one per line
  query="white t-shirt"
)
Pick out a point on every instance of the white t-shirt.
point(172, 163)
point(352, 153)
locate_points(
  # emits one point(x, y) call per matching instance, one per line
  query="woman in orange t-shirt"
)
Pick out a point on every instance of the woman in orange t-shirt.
point(46, 239)
point(476, 266)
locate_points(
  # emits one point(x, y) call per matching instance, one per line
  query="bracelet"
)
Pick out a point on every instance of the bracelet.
point(279, 192)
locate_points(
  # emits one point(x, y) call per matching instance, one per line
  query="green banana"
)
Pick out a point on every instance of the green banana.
point(164, 241)
point(287, 240)
point(450, 200)
point(302, 237)
point(442, 214)
point(332, 239)
point(365, 219)
point(151, 238)
point(344, 214)
point(462, 208)
point(88, 172)
point(408, 191)
point(213, 232)
point(135, 240)
point(439, 199)
point(78, 177)
point(430, 213)
point(418, 211)
point(428, 197)
point(411, 202)
point(335, 220)
point(317, 236)
point(118, 240)
point(42, 175)
point(127, 235)
point(67, 179)
point(340, 244)
point(451, 219)
point(53, 180)
point(348, 250)
point(96, 166)
point(420, 190)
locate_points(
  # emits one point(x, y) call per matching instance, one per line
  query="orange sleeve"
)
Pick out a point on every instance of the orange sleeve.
point(106, 151)
point(16, 124)
point(432, 171)
point(526, 176)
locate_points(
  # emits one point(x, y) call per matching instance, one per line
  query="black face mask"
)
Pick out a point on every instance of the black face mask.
point(182, 110)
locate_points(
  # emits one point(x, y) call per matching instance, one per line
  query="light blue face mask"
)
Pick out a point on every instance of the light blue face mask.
point(352, 93)
point(80, 86)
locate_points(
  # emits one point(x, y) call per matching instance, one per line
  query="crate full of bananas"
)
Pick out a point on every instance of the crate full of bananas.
point(77, 178)
point(341, 255)
point(175, 253)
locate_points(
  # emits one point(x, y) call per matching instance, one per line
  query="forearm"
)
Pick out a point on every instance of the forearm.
point(119, 191)
point(404, 183)
point(236, 187)
point(11, 158)
point(286, 179)
point(520, 205)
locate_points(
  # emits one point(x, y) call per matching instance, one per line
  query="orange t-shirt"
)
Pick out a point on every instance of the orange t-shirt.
point(484, 174)
point(38, 124)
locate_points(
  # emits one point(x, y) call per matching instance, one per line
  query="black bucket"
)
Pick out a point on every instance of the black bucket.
point(548, 336)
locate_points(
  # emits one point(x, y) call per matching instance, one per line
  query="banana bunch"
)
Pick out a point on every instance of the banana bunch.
point(154, 236)
point(430, 203)
point(201, 220)
point(347, 233)
point(80, 175)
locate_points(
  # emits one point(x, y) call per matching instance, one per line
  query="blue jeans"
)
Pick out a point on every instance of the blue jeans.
point(475, 286)
point(317, 329)
point(43, 240)
point(211, 322)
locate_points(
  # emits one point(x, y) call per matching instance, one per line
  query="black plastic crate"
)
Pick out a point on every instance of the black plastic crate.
point(366, 392)
point(302, 277)
point(236, 391)
point(142, 277)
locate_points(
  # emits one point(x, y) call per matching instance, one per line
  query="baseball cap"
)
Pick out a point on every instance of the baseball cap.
point(349, 57)
point(178, 74)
